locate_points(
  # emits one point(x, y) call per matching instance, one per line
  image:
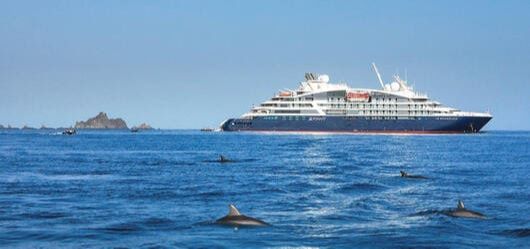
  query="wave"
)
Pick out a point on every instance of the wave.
point(361, 187)
point(129, 227)
point(427, 213)
point(231, 161)
point(520, 232)
point(44, 215)
point(26, 176)
point(151, 223)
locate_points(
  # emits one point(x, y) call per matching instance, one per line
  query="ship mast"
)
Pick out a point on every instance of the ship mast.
point(378, 75)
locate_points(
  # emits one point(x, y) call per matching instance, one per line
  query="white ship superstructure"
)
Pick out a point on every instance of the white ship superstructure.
point(316, 99)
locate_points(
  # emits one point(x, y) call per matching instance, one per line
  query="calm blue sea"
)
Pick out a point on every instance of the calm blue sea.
point(158, 189)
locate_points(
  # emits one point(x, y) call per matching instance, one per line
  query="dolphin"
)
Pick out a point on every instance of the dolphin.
point(236, 219)
point(461, 211)
point(406, 175)
point(220, 159)
point(223, 159)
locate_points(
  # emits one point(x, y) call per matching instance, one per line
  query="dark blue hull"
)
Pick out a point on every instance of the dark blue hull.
point(358, 124)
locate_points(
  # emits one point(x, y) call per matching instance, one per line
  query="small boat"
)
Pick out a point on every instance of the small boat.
point(207, 129)
point(134, 129)
point(69, 131)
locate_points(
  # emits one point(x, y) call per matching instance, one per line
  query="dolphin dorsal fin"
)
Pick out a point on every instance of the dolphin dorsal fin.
point(460, 204)
point(232, 210)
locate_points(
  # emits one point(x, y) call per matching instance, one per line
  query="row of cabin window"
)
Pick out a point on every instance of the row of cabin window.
point(376, 99)
point(391, 118)
point(292, 99)
point(374, 105)
point(396, 112)
point(287, 105)
point(349, 118)
point(285, 118)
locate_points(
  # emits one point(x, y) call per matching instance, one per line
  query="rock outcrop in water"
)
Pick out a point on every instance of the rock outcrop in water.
point(143, 126)
point(8, 127)
point(101, 121)
point(26, 127)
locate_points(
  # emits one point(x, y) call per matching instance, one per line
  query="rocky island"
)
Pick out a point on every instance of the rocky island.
point(101, 121)
point(143, 126)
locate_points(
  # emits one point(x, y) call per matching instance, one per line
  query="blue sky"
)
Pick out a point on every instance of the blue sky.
point(191, 64)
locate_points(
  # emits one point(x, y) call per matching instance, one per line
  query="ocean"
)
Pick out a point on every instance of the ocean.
point(163, 189)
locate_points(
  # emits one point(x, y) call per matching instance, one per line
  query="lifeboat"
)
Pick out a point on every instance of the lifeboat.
point(357, 96)
point(285, 94)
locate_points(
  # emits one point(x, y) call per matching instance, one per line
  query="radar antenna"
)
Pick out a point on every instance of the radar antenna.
point(311, 76)
point(374, 67)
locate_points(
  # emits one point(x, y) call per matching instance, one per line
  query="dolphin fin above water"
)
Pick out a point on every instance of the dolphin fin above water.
point(235, 218)
point(462, 212)
point(232, 210)
point(223, 159)
point(460, 205)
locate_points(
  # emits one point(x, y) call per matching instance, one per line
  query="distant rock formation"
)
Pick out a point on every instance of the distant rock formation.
point(25, 127)
point(143, 126)
point(101, 121)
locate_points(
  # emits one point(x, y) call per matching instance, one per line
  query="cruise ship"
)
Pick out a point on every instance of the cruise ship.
point(320, 106)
